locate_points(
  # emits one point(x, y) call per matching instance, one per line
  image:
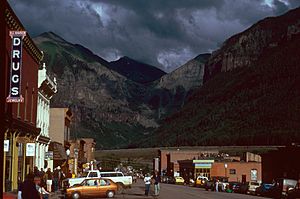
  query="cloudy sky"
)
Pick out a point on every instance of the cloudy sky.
point(164, 33)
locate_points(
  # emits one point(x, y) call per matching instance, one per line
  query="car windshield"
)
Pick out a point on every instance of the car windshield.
point(84, 174)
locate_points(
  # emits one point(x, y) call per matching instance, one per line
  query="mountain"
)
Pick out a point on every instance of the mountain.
point(169, 93)
point(136, 71)
point(250, 94)
point(189, 76)
point(106, 104)
point(245, 48)
point(115, 109)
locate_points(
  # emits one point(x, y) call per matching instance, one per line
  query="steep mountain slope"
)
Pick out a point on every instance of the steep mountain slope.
point(189, 76)
point(244, 49)
point(251, 94)
point(136, 71)
point(169, 93)
point(105, 103)
point(108, 106)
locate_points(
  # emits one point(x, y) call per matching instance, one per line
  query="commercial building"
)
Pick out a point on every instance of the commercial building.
point(46, 89)
point(76, 158)
point(60, 131)
point(19, 85)
point(281, 163)
point(81, 152)
point(89, 149)
point(238, 169)
point(168, 158)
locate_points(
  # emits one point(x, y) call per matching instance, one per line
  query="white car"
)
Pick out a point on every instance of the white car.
point(252, 187)
point(117, 177)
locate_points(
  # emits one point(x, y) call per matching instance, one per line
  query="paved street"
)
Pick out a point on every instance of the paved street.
point(169, 191)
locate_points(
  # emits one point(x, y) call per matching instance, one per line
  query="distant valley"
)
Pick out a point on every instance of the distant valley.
point(118, 103)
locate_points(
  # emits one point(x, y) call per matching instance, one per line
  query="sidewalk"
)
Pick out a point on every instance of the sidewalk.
point(57, 195)
point(9, 195)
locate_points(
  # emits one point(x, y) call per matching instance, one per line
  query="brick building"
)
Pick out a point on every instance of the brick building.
point(168, 158)
point(19, 89)
point(281, 163)
point(89, 149)
point(239, 169)
point(60, 133)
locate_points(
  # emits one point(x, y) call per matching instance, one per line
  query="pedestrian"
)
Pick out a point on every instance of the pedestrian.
point(69, 174)
point(49, 178)
point(147, 181)
point(42, 175)
point(20, 184)
point(43, 193)
point(156, 183)
point(56, 179)
point(36, 171)
point(28, 188)
point(217, 186)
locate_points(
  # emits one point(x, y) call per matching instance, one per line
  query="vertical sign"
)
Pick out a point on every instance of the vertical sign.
point(30, 149)
point(6, 145)
point(15, 95)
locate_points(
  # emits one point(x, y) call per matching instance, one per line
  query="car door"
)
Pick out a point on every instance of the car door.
point(104, 186)
point(90, 188)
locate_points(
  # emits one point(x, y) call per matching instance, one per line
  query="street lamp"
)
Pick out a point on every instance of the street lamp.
point(225, 165)
point(68, 154)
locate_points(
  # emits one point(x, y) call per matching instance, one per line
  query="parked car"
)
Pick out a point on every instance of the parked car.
point(294, 193)
point(237, 187)
point(92, 188)
point(200, 181)
point(263, 189)
point(234, 186)
point(168, 179)
point(211, 183)
point(252, 187)
point(118, 177)
point(179, 180)
point(281, 187)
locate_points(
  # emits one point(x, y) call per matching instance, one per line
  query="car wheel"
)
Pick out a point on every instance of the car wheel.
point(75, 195)
point(110, 194)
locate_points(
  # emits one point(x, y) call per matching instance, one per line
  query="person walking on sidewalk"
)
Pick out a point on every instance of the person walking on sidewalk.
point(28, 188)
point(147, 181)
point(49, 177)
point(156, 183)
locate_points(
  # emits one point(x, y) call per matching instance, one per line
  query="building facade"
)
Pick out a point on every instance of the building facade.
point(168, 158)
point(281, 163)
point(89, 149)
point(46, 89)
point(60, 132)
point(19, 67)
point(236, 169)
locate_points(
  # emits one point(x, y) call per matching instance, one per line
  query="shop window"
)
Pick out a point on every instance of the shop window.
point(232, 171)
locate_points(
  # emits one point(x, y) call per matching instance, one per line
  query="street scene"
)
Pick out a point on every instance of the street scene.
point(176, 192)
point(150, 99)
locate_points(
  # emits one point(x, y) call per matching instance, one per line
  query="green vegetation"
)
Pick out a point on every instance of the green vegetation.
point(257, 105)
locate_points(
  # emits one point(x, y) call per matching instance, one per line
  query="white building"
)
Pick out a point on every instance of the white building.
point(47, 88)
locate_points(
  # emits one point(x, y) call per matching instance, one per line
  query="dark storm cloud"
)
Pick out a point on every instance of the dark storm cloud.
point(165, 33)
